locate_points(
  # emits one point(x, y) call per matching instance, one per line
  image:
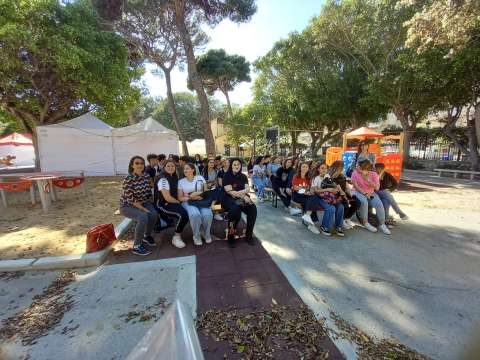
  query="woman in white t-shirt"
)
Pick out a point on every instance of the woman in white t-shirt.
point(190, 188)
point(259, 177)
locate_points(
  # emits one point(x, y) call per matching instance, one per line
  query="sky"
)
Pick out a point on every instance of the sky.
point(274, 20)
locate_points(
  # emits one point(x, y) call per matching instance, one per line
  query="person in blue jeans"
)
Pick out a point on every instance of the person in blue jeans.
point(388, 184)
point(329, 194)
point(259, 177)
point(136, 204)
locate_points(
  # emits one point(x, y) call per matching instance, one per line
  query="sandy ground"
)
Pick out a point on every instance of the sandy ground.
point(422, 195)
point(26, 232)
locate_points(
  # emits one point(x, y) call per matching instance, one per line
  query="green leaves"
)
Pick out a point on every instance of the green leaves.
point(58, 61)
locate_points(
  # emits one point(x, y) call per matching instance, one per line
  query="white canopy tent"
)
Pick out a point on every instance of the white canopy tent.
point(86, 143)
point(20, 146)
point(83, 143)
point(145, 137)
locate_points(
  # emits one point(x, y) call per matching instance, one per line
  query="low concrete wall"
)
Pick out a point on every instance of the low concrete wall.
point(430, 165)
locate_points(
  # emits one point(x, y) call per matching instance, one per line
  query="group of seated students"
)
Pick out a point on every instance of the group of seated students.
point(183, 189)
point(316, 188)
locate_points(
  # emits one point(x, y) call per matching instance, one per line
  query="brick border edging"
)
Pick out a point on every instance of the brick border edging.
point(66, 261)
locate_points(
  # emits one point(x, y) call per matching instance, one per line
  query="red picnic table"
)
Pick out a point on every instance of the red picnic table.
point(46, 184)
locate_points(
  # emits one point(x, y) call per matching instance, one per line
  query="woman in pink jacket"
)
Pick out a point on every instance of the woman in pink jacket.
point(365, 183)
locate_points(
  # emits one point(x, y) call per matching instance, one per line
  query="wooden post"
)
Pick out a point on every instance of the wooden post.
point(401, 143)
point(344, 141)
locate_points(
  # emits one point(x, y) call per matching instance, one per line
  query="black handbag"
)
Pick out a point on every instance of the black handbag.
point(206, 201)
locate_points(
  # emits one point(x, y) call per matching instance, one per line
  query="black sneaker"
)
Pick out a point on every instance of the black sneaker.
point(340, 232)
point(149, 241)
point(324, 231)
point(140, 250)
point(250, 241)
point(231, 240)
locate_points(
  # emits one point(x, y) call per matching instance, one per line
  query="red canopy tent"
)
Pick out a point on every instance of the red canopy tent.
point(20, 146)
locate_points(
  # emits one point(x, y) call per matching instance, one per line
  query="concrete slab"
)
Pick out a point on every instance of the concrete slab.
point(59, 262)
point(16, 265)
point(96, 326)
point(18, 289)
point(420, 285)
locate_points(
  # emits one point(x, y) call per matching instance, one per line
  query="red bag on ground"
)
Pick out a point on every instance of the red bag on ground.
point(99, 237)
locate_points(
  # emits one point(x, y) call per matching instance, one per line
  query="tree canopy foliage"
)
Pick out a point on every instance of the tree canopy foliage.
point(220, 71)
point(58, 62)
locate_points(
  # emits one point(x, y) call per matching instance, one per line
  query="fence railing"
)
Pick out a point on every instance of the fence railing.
point(429, 150)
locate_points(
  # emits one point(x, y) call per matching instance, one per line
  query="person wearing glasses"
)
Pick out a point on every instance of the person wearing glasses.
point(190, 190)
point(136, 204)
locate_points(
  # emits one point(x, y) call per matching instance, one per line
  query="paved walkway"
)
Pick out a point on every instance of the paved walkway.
point(421, 285)
point(433, 179)
point(244, 277)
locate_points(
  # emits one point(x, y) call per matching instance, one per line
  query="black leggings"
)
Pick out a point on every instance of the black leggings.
point(350, 207)
point(285, 199)
point(235, 213)
point(175, 211)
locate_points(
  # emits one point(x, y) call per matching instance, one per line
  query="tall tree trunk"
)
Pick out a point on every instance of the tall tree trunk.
point(229, 106)
point(402, 116)
point(473, 141)
point(294, 136)
point(131, 119)
point(477, 120)
point(194, 76)
point(35, 148)
point(173, 111)
point(313, 145)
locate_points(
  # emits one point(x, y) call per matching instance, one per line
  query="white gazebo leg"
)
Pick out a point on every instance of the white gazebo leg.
point(44, 197)
point(32, 194)
point(53, 194)
point(4, 198)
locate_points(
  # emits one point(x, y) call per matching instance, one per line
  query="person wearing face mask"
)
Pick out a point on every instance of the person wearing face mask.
point(191, 188)
point(136, 204)
point(236, 201)
point(167, 203)
point(365, 183)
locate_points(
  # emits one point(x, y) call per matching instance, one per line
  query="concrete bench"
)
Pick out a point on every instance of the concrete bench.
point(457, 172)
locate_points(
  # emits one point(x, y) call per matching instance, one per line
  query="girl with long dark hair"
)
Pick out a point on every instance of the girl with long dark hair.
point(236, 201)
point(167, 203)
point(190, 188)
point(136, 204)
point(259, 177)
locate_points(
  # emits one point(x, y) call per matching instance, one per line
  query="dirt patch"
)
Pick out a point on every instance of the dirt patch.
point(42, 315)
point(26, 232)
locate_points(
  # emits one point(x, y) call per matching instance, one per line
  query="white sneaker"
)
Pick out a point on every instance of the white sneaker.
point(208, 239)
point(383, 228)
point(346, 226)
point(218, 217)
point(313, 229)
point(177, 241)
point(295, 211)
point(371, 228)
point(197, 241)
point(308, 219)
point(349, 223)
point(260, 200)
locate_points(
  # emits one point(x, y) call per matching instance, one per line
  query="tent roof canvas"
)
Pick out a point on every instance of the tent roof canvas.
point(85, 121)
point(364, 133)
point(148, 125)
point(17, 139)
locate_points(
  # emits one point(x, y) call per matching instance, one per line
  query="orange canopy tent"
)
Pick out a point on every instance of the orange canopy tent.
point(364, 133)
